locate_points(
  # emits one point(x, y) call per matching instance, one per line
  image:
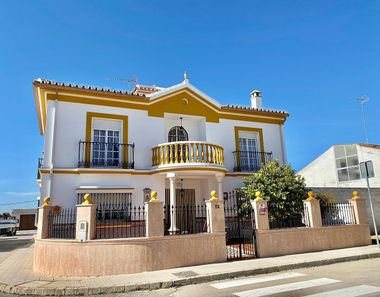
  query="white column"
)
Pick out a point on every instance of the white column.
point(173, 213)
point(219, 179)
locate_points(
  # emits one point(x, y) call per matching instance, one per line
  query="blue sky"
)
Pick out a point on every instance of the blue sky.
point(310, 58)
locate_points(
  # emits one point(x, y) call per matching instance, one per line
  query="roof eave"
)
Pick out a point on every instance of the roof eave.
point(183, 85)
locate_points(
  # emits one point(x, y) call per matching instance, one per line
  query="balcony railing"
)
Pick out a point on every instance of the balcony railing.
point(39, 166)
point(104, 154)
point(183, 152)
point(247, 161)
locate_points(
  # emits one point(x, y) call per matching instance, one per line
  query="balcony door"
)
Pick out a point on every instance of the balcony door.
point(106, 148)
point(249, 152)
point(177, 133)
point(105, 145)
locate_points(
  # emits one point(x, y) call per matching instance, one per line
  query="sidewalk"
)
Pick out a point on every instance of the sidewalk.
point(17, 274)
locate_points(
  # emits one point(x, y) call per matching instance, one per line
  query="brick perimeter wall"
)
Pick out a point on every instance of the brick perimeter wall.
point(123, 256)
point(280, 242)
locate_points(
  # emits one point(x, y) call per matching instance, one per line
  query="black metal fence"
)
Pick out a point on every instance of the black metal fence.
point(118, 221)
point(190, 218)
point(250, 161)
point(104, 154)
point(62, 223)
point(341, 213)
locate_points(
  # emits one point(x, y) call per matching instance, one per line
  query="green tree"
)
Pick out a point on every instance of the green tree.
point(281, 187)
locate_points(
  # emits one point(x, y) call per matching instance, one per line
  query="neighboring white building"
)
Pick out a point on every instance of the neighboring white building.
point(339, 167)
point(27, 218)
point(121, 145)
point(337, 172)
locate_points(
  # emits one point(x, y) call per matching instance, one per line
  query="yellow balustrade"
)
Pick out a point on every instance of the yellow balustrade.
point(187, 152)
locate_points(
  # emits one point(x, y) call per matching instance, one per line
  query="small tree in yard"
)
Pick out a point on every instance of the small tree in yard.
point(281, 187)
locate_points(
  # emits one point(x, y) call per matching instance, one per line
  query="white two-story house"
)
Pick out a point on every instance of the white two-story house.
point(121, 145)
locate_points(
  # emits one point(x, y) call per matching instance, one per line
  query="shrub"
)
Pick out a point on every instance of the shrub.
point(281, 187)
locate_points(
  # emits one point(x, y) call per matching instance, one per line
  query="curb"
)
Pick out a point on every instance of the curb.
point(83, 291)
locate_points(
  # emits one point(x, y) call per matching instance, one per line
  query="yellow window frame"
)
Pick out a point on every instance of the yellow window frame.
point(89, 120)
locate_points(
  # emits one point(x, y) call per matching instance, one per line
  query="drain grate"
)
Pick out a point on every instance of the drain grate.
point(187, 273)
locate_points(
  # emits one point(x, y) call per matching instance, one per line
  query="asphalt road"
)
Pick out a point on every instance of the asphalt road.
point(9, 244)
point(358, 278)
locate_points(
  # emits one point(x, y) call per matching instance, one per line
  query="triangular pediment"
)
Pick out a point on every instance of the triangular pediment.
point(186, 100)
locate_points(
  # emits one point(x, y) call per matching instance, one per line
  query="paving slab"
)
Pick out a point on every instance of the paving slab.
point(21, 279)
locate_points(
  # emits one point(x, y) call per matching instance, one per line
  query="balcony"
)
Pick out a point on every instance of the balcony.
point(106, 155)
point(247, 161)
point(186, 153)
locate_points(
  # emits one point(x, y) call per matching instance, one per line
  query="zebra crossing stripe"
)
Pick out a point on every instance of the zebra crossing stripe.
point(348, 292)
point(287, 287)
point(255, 280)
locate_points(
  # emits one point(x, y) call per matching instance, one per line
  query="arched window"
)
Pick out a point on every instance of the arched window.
point(177, 133)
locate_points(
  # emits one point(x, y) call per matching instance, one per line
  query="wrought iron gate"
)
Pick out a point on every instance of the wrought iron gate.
point(240, 227)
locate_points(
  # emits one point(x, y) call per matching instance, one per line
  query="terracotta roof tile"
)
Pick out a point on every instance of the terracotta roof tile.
point(85, 87)
point(141, 94)
point(242, 107)
point(375, 146)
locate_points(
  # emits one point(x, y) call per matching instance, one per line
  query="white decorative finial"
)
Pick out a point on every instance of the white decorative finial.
point(186, 76)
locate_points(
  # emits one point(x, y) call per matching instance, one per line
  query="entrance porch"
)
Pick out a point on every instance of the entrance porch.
point(185, 196)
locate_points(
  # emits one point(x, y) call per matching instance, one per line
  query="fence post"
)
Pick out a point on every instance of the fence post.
point(360, 208)
point(86, 212)
point(260, 207)
point(215, 214)
point(43, 219)
point(314, 210)
point(154, 216)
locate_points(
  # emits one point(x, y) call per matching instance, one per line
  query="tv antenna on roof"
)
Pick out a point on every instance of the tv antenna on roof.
point(131, 82)
point(362, 100)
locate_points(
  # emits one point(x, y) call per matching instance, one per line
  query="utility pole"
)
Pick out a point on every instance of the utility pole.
point(366, 171)
point(362, 100)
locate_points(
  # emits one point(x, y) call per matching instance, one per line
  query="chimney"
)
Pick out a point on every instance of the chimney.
point(256, 100)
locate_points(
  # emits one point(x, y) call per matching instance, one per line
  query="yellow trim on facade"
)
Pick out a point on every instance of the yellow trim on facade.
point(248, 118)
point(248, 129)
point(184, 102)
point(102, 189)
point(189, 169)
point(89, 119)
point(170, 103)
point(237, 174)
point(128, 171)
point(37, 100)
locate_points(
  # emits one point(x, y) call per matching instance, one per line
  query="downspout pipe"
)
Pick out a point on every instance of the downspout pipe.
point(283, 148)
